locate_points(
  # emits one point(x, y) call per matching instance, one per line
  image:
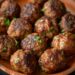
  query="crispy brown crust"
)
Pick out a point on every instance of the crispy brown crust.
point(52, 60)
point(45, 27)
point(68, 23)
point(10, 9)
point(30, 12)
point(34, 43)
point(19, 28)
point(65, 42)
point(7, 46)
point(53, 8)
point(24, 62)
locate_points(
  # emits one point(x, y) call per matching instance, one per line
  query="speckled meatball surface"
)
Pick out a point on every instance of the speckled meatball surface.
point(34, 43)
point(65, 42)
point(10, 9)
point(37, 37)
point(53, 8)
point(52, 60)
point(30, 12)
point(45, 27)
point(24, 62)
point(67, 23)
point(19, 28)
point(7, 46)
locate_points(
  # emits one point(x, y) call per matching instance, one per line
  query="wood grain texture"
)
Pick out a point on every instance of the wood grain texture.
point(5, 66)
point(70, 5)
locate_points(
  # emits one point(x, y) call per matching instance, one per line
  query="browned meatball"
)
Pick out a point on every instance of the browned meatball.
point(53, 8)
point(44, 27)
point(39, 3)
point(7, 46)
point(34, 43)
point(52, 60)
point(68, 23)
point(30, 12)
point(65, 42)
point(10, 9)
point(23, 61)
point(19, 28)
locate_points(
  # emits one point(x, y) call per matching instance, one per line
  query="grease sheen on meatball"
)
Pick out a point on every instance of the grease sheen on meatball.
point(68, 23)
point(10, 9)
point(52, 60)
point(19, 28)
point(45, 27)
point(65, 42)
point(30, 12)
point(7, 46)
point(53, 8)
point(34, 43)
point(24, 62)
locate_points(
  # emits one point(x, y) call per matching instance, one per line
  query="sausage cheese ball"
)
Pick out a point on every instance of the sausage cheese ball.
point(52, 60)
point(68, 23)
point(10, 9)
point(65, 42)
point(34, 43)
point(19, 28)
point(24, 62)
point(30, 12)
point(53, 8)
point(44, 27)
point(7, 46)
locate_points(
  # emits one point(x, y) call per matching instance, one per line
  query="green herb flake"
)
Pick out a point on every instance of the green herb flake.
point(44, 33)
point(51, 29)
point(7, 22)
point(43, 10)
point(40, 41)
point(14, 17)
point(17, 60)
point(62, 31)
point(4, 49)
point(16, 42)
point(59, 24)
point(37, 38)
